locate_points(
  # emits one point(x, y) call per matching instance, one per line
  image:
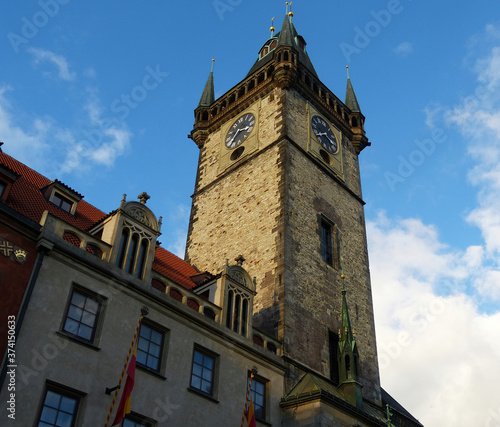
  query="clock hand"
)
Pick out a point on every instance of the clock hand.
point(237, 132)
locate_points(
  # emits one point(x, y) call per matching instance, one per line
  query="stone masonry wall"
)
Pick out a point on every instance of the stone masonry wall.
point(268, 209)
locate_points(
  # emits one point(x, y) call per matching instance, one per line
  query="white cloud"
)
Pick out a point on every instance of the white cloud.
point(28, 142)
point(35, 140)
point(404, 49)
point(61, 64)
point(436, 335)
point(103, 140)
point(437, 307)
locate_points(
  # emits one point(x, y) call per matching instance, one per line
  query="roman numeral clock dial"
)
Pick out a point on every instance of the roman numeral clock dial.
point(324, 134)
point(240, 130)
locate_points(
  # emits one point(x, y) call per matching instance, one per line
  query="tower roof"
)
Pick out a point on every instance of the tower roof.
point(350, 97)
point(288, 36)
point(208, 95)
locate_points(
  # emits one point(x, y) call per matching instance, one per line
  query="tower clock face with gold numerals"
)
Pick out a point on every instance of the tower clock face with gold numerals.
point(240, 130)
point(324, 134)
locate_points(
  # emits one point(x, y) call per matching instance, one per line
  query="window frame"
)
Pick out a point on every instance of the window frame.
point(158, 329)
point(64, 392)
point(59, 200)
point(214, 386)
point(265, 383)
point(99, 315)
point(329, 248)
point(138, 419)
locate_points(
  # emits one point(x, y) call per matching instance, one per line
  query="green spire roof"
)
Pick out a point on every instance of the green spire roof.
point(208, 95)
point(350, 97)
point(346, 336)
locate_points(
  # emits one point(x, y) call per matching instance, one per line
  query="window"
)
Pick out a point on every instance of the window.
point(132, 253)
point(150, 346)
point(258, 393)
point(203, 372)
point(59, 409)
point(62, 202)
point(330, 250)
point(2, 187)
point(134, 420)
point(326, 242)
point(237, 312)
point(82, 315)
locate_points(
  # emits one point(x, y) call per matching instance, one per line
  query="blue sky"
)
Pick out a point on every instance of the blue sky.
point(101, 95)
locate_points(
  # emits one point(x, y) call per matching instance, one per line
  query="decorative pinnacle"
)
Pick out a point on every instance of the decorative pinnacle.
point(144, 197)
point(342, 275)
point(272, 29)
point(213, 62)
point(240, 260)
point(347, 67)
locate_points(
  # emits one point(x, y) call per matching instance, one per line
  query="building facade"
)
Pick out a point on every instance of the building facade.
point(275, 280)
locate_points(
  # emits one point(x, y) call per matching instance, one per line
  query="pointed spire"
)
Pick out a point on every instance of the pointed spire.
point(208, 95)
point(288, 32)
point(346, 333)
point(350, 97)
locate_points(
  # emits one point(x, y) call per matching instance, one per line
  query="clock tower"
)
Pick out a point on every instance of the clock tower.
point(278, 182)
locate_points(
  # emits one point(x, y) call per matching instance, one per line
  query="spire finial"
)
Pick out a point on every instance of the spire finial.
point(347, 68)
point(213, 62)
point(342, 275)
point(290, 13)
point(272, 29)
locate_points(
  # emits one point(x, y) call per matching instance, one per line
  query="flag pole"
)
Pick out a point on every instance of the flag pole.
point(252, 374)
point(144, 312)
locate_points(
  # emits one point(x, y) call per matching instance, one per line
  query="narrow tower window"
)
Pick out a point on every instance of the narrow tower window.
point(326, 242)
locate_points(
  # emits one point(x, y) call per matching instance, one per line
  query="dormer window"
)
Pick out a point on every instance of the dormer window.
point(62, 202)
point(268, 47)
point(7, 178)
point(132, 253)
point(62, 196)
point(132, 231)
point(239, 290)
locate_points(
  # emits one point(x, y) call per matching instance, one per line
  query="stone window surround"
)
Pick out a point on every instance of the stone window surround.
point(66, 392)
point(215, 357)
point(163, 347)
point(97, 327)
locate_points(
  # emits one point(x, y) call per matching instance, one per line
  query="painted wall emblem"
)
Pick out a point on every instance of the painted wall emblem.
point(15, 253)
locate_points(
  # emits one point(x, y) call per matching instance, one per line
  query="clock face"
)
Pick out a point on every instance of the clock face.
point(240, 130)
point(324, 134)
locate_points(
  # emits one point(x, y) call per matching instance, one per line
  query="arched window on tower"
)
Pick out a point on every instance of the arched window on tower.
point(132, 254)
point(237, 312)
point(141, 259)
point(122, 248)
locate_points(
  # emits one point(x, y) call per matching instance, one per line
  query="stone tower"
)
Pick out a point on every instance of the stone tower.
point(278, 182)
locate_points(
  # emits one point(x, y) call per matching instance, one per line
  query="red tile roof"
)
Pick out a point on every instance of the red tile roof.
point(173, 267)
point(26, 197)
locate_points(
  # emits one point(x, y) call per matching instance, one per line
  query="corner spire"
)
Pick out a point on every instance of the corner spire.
point(208, 95)
point(350, 97)
point(348, 357)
